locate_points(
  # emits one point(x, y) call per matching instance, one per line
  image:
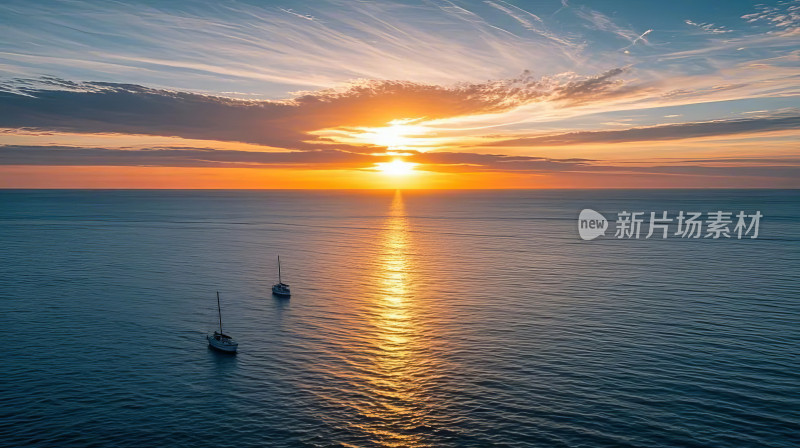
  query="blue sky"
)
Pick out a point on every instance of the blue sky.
point(594, 66)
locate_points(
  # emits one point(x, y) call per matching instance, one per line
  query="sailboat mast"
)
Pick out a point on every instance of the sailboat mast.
point(279, 269)
point(219, 310)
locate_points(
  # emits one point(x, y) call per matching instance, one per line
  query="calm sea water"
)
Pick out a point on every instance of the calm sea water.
point(473, 318)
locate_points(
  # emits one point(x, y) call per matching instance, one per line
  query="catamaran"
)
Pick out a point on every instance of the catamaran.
point(221, 341)
point(280, 288)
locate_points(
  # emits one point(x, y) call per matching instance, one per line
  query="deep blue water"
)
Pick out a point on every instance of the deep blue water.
point(473, 318)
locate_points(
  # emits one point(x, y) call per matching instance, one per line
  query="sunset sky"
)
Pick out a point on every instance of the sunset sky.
point(373, 94)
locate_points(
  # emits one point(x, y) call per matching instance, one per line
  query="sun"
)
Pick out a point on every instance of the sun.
point(396, 167)
point(398, 135)
point(392, 136)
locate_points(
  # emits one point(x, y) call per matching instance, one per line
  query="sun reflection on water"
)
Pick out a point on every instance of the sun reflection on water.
point(398, 406)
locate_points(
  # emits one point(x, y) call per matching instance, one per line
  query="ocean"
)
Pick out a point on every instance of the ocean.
point(418, 318)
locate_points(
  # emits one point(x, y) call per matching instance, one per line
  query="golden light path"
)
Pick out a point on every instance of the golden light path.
point(399, 407)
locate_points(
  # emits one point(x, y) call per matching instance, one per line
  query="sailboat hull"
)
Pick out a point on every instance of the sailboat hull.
point(281, 290)
point(223, 346)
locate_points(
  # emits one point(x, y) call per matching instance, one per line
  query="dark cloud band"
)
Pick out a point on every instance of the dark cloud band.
point(778, 122)
point(95, 107)
point(454, 162)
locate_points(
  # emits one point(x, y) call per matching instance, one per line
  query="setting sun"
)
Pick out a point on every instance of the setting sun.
point(398, 135)
point(396, 167)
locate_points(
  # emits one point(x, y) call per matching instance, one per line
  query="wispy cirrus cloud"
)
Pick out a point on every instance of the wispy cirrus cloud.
point(271, 48)
point(709, 27)
point(784, 14)
point(602, 22)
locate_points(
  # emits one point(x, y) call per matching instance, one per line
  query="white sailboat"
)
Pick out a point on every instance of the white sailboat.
point(281, 289)
point(219, 340)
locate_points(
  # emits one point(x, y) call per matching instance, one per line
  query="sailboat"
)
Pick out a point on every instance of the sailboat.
point(280, 288)
point(221, 341)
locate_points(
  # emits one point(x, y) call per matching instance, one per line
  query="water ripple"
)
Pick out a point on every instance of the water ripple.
point(418, 319)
